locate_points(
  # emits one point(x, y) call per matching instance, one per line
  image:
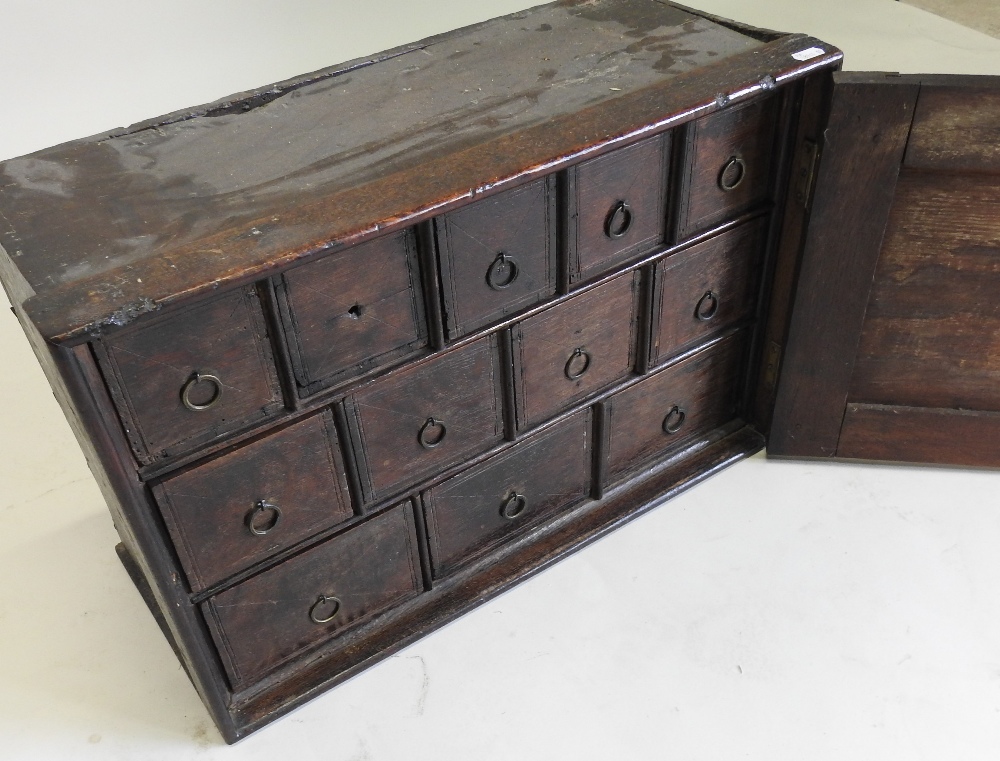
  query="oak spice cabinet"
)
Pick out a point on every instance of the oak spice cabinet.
point(371, 348)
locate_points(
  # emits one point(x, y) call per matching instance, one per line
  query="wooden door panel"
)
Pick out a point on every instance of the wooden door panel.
point(931, 335)
point(905, 365)
point(865, 140)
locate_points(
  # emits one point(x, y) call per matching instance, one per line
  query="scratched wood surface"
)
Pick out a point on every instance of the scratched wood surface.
point(272, 617)
point(105, 230)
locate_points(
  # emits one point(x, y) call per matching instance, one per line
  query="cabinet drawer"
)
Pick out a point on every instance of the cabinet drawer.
point(426, 418)
point(184, 379)
point(728, 161)
point(497, 256)
point(674, 406)
point(476, 510)
point(617, 206)
point(706, 289)
point(352, 311)
point(574, 349)
point(239, 508)
point(269, 618)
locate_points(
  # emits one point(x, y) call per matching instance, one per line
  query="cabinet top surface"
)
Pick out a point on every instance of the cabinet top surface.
point(100, 231)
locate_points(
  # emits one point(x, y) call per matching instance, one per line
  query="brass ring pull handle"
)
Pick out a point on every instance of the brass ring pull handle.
point(196, 379)
point(513, 506)
point(425, 436)
point(674, 420)
point(619, 220)
point(331, 604)
point(262, 508)
point(732, 174)
point(502, 272)
point(574, 368)
point(707, 306)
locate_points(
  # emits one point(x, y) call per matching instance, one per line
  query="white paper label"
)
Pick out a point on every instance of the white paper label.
point(805, 55)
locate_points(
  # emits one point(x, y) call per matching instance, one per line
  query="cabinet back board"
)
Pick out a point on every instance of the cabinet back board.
point(480, 314)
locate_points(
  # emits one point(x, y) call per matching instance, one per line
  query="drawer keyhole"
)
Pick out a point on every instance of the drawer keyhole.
point(263, 518)
point(324, 610)
point(196, 386)
point(618, 221)
point(513, 506)
point(732, 174)
point(577, 364)
point(431, 433)
point(707, 306)
point(674, 420)
point(502, 272)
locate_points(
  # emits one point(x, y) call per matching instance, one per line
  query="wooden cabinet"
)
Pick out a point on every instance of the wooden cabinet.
point(339, 400)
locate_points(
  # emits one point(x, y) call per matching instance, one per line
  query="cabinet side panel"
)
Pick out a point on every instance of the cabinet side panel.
point(77, 386)
point(863, 147)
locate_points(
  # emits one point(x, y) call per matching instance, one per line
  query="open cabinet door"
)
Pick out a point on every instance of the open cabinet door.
point(893, 346)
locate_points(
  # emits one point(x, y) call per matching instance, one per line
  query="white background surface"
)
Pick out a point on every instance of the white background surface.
point(779, 611)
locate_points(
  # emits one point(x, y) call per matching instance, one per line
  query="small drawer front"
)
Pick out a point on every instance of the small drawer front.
point(706, 289)
point(189, 377)
point(261, 623)
point(727, 165)
point(476, 510)
point(497, 256)
point(617, 206)
point(574, 349)
point(426, 418)
point(355, 310)
point(240, 508)
point(674, 406)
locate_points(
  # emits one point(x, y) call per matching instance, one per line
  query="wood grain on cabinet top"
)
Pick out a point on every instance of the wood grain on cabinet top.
point(103, 230)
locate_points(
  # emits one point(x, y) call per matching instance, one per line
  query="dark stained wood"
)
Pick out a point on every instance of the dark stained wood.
point(521, 558)
point(931, 327)
point(727, 267)
point(148, 367)
point(864, 141)
point(919, 434)
point(810, 102)
point(299, 470)
point(497, 256)
point(177, 239)
point(537, 478)
point(743, 133)
point(353, 311)
point(636, 176)
point(674, 406)
point(362, 206)
point(270, 618)
point(309, 405)
point(574, 349)
point(956, 126)
point(460, 391)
